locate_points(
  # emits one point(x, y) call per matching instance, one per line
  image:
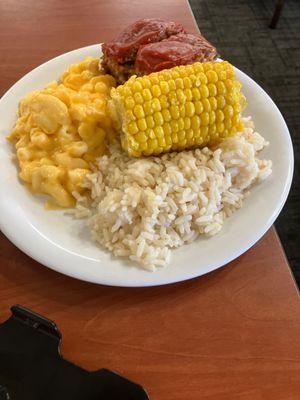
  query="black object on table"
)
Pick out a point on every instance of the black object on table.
point(31, 367)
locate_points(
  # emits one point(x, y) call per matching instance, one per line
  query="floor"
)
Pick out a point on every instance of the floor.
point(239, 29)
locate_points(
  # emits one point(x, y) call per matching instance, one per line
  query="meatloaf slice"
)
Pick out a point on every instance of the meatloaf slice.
point(124, 48)
point(179, 49)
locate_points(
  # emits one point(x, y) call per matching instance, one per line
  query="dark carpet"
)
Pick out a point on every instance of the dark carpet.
point(239, 29)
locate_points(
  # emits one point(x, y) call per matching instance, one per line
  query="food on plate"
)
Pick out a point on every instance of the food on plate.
point(61, 129)
point(141, 208)
point(151, 45)
point(181, 49)
point(179, 108)
point(152, 163)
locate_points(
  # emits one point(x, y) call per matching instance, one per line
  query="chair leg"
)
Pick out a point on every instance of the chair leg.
point(276, 15)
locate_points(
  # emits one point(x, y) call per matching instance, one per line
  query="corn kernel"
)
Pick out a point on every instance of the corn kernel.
point(189, 109)
point(154, 79)
point(198, 67)
point(152, 144)
point(141, 137)
point(150, 122)
point(173, 98)
point(166, 115)
point(172, 85)
point(138, 111)
point(227, 123)
point(162, 142)
point(182, 110)
point(228, 84)
point(182, 144)
point(187, 83)
point(222, 75)
point(174, 126)
point(207, 66)
point(159, 132)
point(129, 102)
point(127, 91)
point(204, 132)
point(206, 105)
point(196, 94)
point(179, 83)
point(167, 129)
point(137, 87)
point(142, 125)
point(156, 105)
point(132, 128)
point(220, 127)
point(180, 124)
point(164, 87)
point(213, 103)
point(168, 141)
point(204, 118)
point(198, 107)
point(221, 102)
point(228, 111)
point(148, 107)
point(130, 116)
point(212, 76)
point(219, 116)
point(212, 89)
point(192, 141)
point(237, 107)
point(165, 75)
point(146, 82)
point(164, 101)
point(147, 94)
point(221, 88)
point(174, 110)
point(195, 122)
point(143, 146)
point(189, 134)
point(138, 98)
point(158, 118)
point(151, 134)
point(189, 70)
point(212, 130)
point(156, 90)
point(235, 118)
point(174, 137)
point(204, 91)
point(187, 123)
point(158, 150)
point(212, 117)
point(175, 73)
point(203, 79)
point(181, 96)
point(181, 135)
point(188, 94)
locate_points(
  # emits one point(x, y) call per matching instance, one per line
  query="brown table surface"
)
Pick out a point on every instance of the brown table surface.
point(232, 334)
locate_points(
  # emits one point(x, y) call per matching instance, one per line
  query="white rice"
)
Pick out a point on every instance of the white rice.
point(142, 208)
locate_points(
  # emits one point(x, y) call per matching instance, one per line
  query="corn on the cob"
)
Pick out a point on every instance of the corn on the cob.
point(180, 108)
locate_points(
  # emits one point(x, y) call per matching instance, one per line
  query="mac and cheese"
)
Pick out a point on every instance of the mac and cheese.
point(61, 129)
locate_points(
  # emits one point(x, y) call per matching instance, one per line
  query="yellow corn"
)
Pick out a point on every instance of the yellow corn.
point(184, 107)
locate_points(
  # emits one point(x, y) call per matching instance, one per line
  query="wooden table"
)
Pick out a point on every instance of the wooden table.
point(233, 334)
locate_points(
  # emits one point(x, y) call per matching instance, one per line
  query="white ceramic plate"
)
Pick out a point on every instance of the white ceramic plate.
point(63, 244)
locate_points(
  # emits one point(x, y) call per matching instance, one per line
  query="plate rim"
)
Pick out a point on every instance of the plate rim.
point(42, 258)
